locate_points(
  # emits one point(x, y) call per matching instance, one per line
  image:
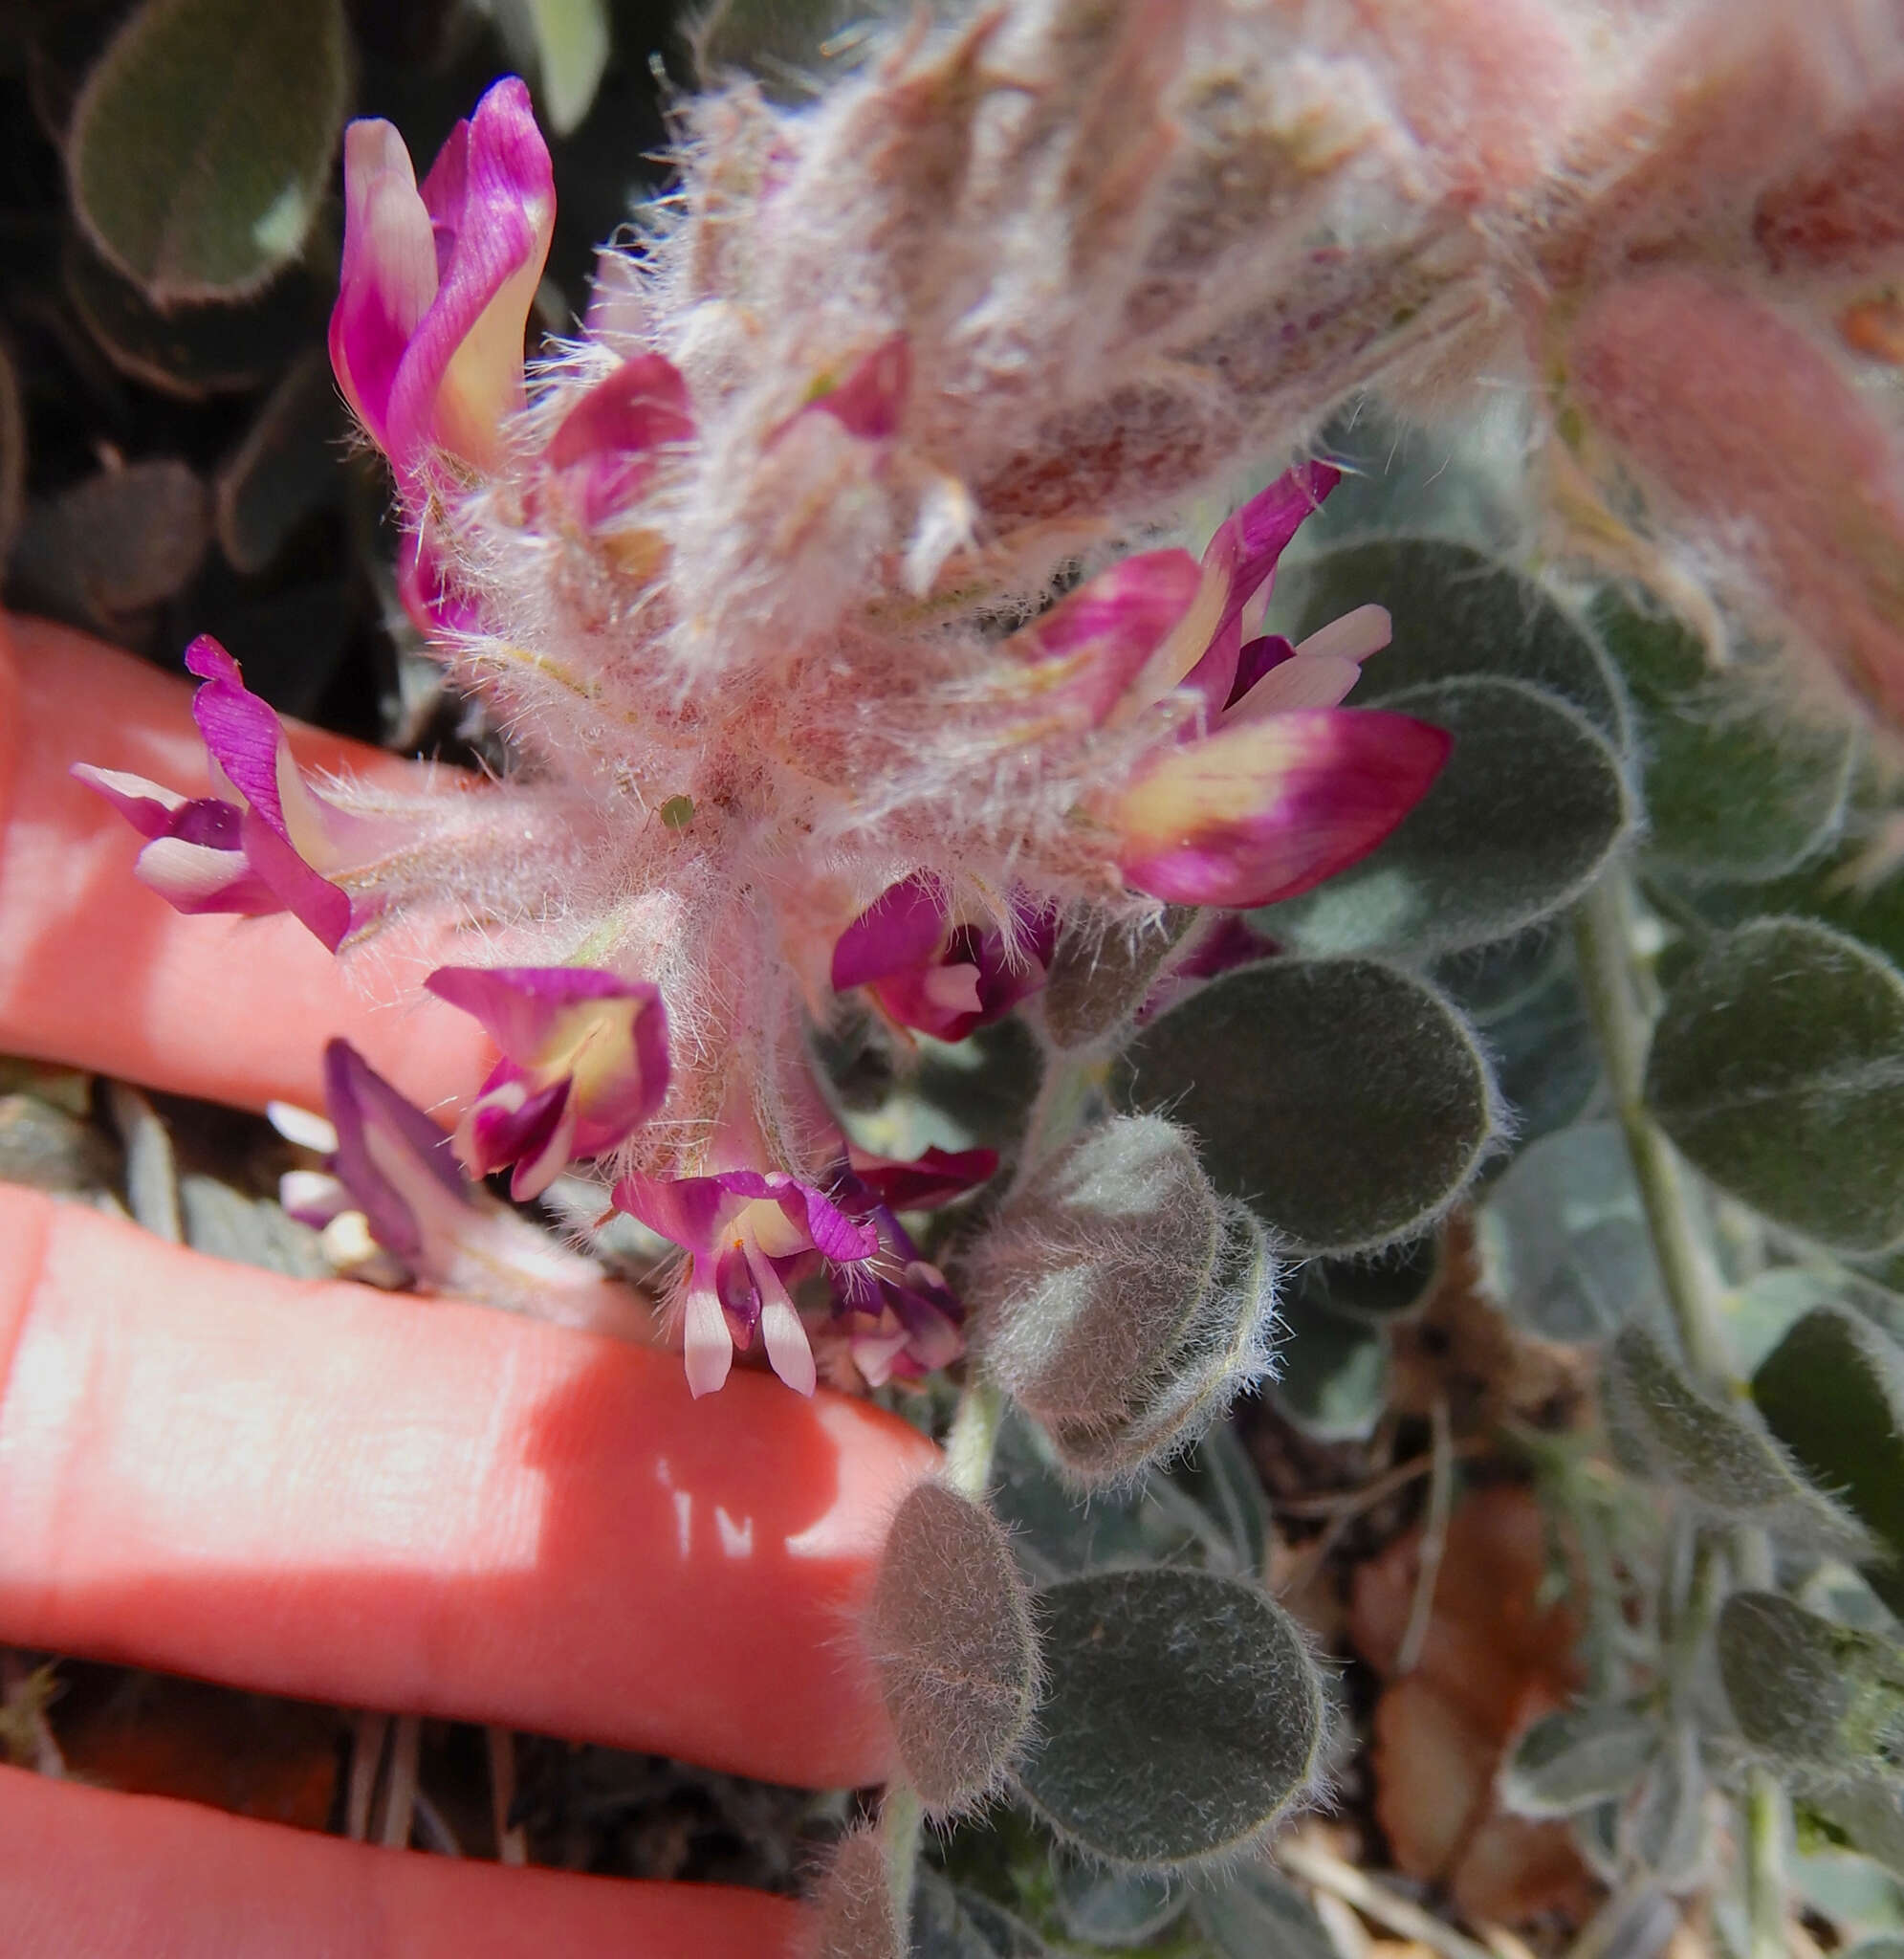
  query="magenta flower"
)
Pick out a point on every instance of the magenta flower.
point(941, 978)
point(585, 1062)
point(264, 842)
point(745, 1232)
point(427, 335)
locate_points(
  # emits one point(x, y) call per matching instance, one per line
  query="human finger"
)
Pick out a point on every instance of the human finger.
point(323, 1490)
point(99, 972)
point(83, 1871)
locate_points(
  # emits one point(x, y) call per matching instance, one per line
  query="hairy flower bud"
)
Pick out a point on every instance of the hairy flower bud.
point(1121, 1302)
point(853, 1906)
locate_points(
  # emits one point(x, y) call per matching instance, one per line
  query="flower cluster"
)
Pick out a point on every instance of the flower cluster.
point(797, 715)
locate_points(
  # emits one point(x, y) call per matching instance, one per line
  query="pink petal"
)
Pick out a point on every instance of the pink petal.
point(902, 930)
point(872, 398)
point(608, 438)
point(388, 278)
point(687, 1211)
point(1095, 641)
point(1263, 811)
point(492, 199)
point(149, 807)
point(397, 1164)
point(196, 878)
point(932, 1180)
point(788, 1351)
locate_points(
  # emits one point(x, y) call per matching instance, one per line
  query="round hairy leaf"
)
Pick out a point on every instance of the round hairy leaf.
point(190, 351)
point(953, 1922)
point(1714, 1453)
point(854, 1903)
point(1730, 792)
point(1530, 804)
point(1387, 1286)
point(1257, 1914)
point(950, 1633)
point(115, 541)
point(1111, 1908)
point(1344, 1102)
point(1778, 1068)
point(1182, 1716)
point(1568, 1761)
point(1814, 1698)
point(202, 140)
point(1563, 1238)
point(1119, 1301)
point(1832, 1391)
point(284, 467)
point(1333, 1382)
point(1457, 612)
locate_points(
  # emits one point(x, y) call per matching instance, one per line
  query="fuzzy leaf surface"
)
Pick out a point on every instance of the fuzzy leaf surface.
point(1717, 1456)
point(1578, 1757)
point(1256, 1912)
point(1778, 1068)
point(1728, 793)
point(1333, 1384)
point(1532, 802)
point(1182, 1716)
point(1832, 1391)
point(1344, 1102)
point(203, 140)
point(1114, 1910)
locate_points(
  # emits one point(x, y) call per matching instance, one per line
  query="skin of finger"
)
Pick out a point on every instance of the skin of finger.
point(83, 1871)
point(373, 1500)
point(99, 972)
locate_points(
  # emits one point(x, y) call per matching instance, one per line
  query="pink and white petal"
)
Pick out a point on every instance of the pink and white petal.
point(1096, 639)
point(935, 1177)
point(535, 1171)
point(1264, 812)
point(492, 196)
point(789, 1352)
point(388, 276)
point(147, 806)
point(525, 1009)
point(902, 930)
point(706, 1345)
point(827, 1227)
point(1305, 682)
point(195, 878)
point(1354, 636)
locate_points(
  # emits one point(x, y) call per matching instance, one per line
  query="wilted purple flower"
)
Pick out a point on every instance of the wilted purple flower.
point(264, 843)
point(585, 1062)
point(427, 335)
point(935, 976)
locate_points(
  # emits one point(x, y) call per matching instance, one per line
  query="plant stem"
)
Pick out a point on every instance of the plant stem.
point(1603, 930)
point(1764, 1865)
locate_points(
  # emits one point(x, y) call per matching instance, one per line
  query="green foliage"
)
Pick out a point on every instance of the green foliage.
point(1818, 1700)
point(284, 467)
point(1580, 1756)
point(1114, 1910)
point(951, 1922)
point(1156, 1750)
point(1832, 1391)
point(1098, 983)
point(202, 140)
point(1255, 1914)
point(1334, 1380)
point(1714, 1454)
point(1730, 792)
point(1774, 1067)
point(1345, 1102)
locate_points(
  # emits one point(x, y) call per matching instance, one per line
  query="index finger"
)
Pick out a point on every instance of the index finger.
point(100, 973)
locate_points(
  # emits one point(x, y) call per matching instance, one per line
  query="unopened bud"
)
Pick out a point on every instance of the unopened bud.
point(949, 1628)
point(1121, 1302)
point(853, 1906)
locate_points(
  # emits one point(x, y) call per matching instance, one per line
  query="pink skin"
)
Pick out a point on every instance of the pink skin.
point(170, 1427)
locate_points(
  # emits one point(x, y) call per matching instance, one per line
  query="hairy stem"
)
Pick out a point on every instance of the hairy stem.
point(1609, 976)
